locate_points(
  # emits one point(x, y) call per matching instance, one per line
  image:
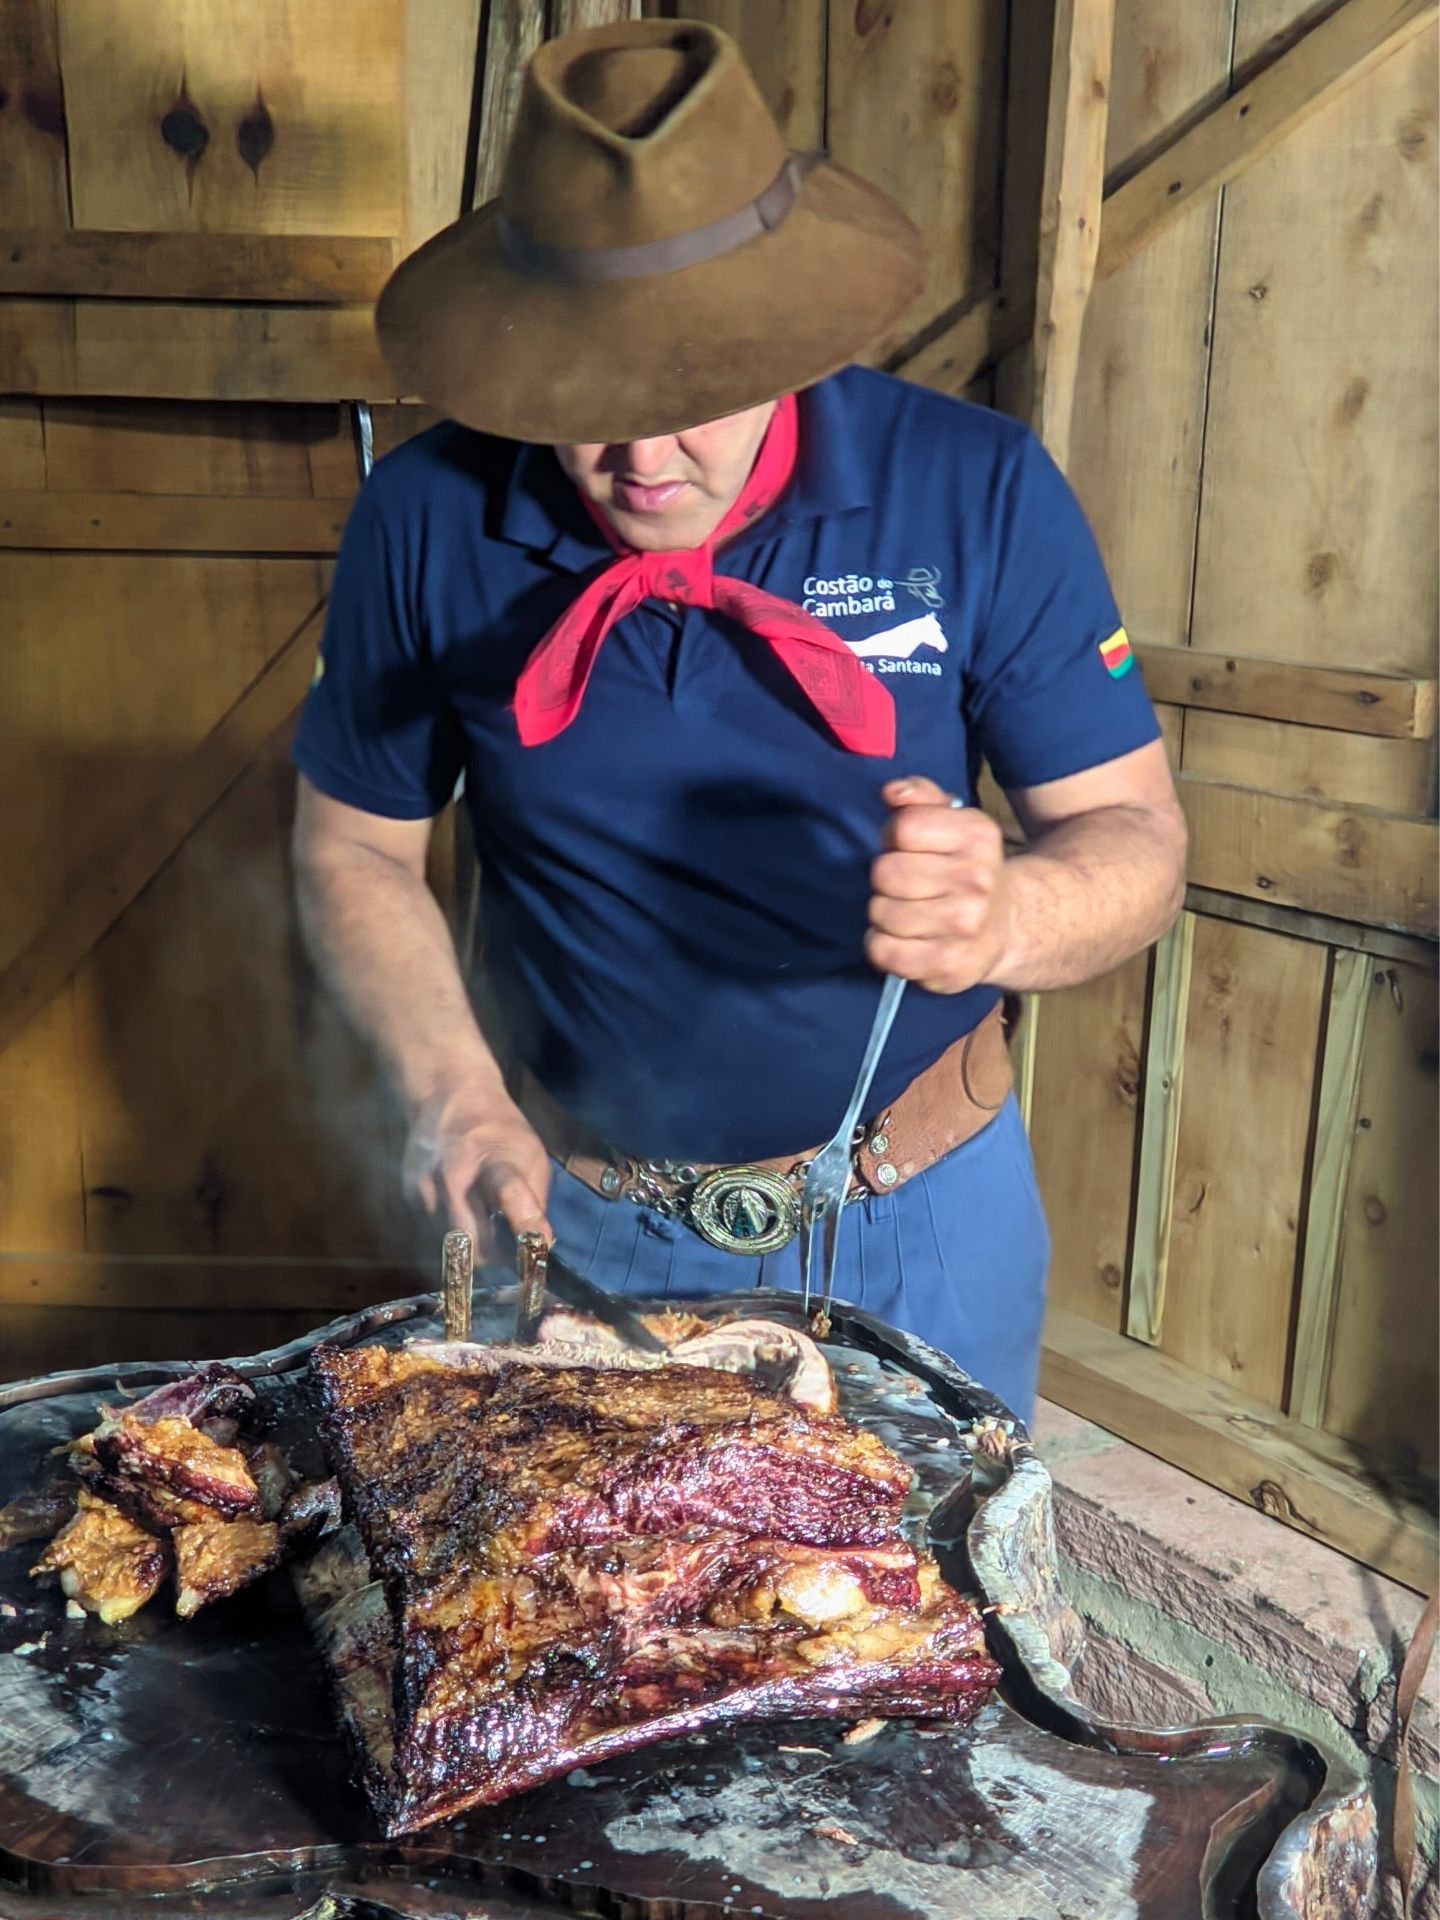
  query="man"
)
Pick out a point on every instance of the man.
point(714, 691)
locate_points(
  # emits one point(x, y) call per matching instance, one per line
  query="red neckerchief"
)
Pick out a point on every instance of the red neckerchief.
point(847, 696)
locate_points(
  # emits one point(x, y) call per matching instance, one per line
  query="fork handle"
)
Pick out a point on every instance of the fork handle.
point(890, 996)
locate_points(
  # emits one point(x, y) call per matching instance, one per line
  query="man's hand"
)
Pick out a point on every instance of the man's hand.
point(940, 910)
point(471, 1154)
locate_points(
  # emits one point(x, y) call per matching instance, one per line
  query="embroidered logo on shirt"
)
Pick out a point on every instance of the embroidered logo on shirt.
point(847, 593)
point(1116, 654)
point(924, 583)
point(897, 645)
point(319, 674)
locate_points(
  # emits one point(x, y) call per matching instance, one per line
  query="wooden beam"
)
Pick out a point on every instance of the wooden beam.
point(1313, 1482)
point(280, 268)
point(568, 16)
point(514, 29)
point(1329, 1185)
point(1023, 1055)
point(1390, 705)
point(107, 885)
point(1355, 863)
point(1160, 1130)
point(1322, 928)
point(158, 350)
point(171, 523)
point(442, 48)
point(1218, 148)
point(1071, 192)
point(949, 358)
point(1345, 45)
point(183, 1282)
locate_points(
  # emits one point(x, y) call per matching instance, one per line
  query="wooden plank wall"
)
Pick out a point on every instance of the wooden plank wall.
point(1238, 1152)
point(1234, 1135)
point(193, 1157)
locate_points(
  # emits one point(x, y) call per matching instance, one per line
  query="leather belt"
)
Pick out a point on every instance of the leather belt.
point(755, 1208)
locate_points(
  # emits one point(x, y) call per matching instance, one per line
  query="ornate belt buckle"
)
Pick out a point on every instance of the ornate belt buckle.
point(745, 1210)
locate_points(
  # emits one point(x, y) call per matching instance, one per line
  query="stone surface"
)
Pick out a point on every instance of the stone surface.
point(1195, 1603)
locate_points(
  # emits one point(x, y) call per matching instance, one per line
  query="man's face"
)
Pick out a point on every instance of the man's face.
point(672, 492)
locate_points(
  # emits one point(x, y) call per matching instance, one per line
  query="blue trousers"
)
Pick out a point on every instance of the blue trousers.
point(957, 1255)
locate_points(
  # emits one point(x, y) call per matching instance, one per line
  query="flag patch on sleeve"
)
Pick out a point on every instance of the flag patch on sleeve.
point(1116, 654)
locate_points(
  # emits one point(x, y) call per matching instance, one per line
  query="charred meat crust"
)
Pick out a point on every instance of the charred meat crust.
point(168, 1452)
point(106, 1563)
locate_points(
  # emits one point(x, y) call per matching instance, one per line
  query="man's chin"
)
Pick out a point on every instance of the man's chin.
point(658, 532)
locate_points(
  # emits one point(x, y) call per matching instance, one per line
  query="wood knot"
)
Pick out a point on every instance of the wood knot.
point(870, 14)
point(184, 131)
point(945, 88)
point(1369, 216)
point(45, 114)
point(1270, 1497)
point(255, 135)
point(1352, 401)
point(1412, 136)
point(1320, 571)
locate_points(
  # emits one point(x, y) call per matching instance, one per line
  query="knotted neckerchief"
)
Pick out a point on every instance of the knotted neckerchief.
point(846, 695)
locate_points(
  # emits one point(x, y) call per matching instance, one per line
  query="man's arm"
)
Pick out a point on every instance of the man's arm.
point(1103, 876)
point(380, 939)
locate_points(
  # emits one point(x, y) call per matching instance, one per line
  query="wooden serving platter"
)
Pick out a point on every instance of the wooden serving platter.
point(188, 1768)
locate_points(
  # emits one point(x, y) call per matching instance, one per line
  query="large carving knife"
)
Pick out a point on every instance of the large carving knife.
point(542, 1271)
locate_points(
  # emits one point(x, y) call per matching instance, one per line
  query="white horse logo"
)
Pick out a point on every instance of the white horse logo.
point(899, 643)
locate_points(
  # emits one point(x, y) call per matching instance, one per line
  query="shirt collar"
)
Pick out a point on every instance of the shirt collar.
point(543, 512)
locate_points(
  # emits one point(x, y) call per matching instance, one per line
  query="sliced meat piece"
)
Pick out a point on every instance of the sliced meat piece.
point(778, 1358)
point(312, 1512)
point(270, 1471)
point(345, 1607)
point(156, 1509)
point(580, 1332)
point(215, 1557)
point(214, 1391)
point(35, 1516)
point(467, 1356)
point(106, 1563)
point(169, 1452)
point(675, 1324)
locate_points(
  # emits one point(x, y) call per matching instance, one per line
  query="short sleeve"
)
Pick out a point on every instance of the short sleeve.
point(376, 731)
point(1053, 688)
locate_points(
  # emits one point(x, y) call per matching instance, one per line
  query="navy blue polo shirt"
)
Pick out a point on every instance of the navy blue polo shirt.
point(674, 890)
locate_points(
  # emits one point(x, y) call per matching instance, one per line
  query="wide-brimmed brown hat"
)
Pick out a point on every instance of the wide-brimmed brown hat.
point(656, 258)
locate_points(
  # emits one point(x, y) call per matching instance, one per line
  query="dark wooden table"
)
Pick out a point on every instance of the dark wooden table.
point(195, 1767)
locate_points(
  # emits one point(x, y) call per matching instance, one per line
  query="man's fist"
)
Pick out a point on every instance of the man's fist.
point(939, 909)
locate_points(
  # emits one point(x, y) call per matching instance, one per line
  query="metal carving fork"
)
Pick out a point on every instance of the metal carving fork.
point(829, 1175)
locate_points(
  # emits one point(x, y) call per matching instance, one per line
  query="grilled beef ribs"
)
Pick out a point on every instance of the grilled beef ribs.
point(172, 1453)
point(576, 1561)
point(169, 1482)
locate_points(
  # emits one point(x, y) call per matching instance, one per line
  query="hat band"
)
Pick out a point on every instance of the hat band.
point(763, 215)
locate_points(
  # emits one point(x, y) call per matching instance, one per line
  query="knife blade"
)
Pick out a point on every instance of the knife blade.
point(541, 1270)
